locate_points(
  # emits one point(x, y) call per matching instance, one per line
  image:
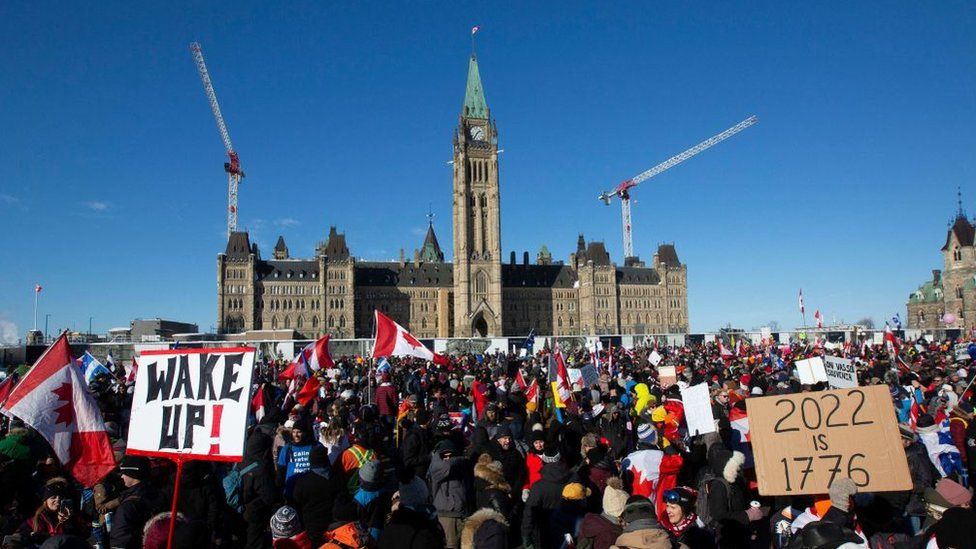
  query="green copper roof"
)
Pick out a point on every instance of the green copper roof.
point(431, 252)
point(474, 94)
point(926, 293)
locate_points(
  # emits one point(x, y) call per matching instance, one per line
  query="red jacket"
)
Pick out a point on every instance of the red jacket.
point(534, 464)
point(957, 428)
point(386, 400)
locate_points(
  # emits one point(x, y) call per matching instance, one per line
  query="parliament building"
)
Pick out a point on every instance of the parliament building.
point(480, 293)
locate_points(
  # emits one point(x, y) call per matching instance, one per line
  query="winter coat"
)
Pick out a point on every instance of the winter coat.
point(533, 469)
point(485, 529)
point(566, 519)
point(410, 528)
point(138, 504)
point(647, 538)
point(513, 464)
point(544, 498)
point(491, 490)
point(449, 484)
point(725, 494)
point(614, 429)
point(258, 493)
point(386, 400)
point(314, 496)
point(200, 501)
point(415, 449)
point(598, 531)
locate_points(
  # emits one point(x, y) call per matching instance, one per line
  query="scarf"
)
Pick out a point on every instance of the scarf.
point(678, 529)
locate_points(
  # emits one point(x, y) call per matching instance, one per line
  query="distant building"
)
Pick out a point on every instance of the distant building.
point(951, 290)
point(155, 329)
point(476, 295)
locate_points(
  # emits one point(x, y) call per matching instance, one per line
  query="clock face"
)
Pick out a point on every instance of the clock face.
point(477, 133)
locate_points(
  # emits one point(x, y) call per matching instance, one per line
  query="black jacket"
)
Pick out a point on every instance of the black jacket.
point(513, 465)
point(415, 449)
point(138, 504)
point(544, 498)
point(314, 495)
point(201, 500)
point(258, 493)
point(412, 529)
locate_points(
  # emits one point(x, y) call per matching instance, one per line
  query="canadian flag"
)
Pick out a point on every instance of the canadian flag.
point(314, 357)
point(53, 399)
point(722, 351)
point(819, 318)
point(532, 393)
point(740, 422)
point(394, 340)
point(130, 372)
point(561, 390)
point(520, 380)
point(257, 403)
point(890, 339)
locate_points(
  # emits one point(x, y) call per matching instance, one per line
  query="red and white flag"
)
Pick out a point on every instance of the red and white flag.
point(7, 387)
point(257, 403)
point(562, 391)
point(394, 340)
point(475, 29)
point(819, 318)
point(722, 351)
point(740, 422)
point(532, 393)
point(37, 288)
point(314, 357)
point(890, 340)
point(520, 380)
point(130, 372)
point(53, 399)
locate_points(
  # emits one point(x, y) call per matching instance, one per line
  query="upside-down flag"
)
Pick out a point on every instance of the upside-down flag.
point(53, 399)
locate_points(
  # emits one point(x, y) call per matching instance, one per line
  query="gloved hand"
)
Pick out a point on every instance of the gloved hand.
point(754, 513)
point(525, 495)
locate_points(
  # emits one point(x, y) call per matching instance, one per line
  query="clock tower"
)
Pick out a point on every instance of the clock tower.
point(477, 228)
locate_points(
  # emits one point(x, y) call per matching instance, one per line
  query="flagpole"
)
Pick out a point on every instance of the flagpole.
point(35, 308)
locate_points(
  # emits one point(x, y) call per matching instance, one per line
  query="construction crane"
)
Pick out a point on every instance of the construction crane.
point(233, 168)
point(623, 190)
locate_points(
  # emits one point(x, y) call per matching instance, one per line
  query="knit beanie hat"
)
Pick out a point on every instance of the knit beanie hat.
point(414, 493)
point(637, 508)
point(953, 492)
point(841, 491)
point(370, 476)
point(575, 491)
point(647, 434)
point(614, 497)
point(285, 523)
point(925, 420)
point(136, 467)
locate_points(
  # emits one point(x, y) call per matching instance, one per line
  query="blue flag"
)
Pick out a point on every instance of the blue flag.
point(91, 367)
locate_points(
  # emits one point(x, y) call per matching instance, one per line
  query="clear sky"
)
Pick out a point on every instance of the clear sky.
point(112, 193)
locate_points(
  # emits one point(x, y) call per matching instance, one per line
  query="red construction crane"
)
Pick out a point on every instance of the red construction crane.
point(623, 190)
point(233, 168)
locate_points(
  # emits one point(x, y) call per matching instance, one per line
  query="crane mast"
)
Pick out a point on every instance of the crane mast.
point(233, 168)
point(623, 190)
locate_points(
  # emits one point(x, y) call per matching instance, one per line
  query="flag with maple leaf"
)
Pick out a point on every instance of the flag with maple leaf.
point(394, 340)
point(53, 398)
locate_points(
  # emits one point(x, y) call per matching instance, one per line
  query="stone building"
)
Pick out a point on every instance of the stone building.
point(478, 294)
point(951, 290)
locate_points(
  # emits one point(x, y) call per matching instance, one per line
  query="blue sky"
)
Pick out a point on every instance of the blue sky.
point(112, 193)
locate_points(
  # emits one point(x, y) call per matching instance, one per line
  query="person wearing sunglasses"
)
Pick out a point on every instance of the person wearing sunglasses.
point(681, 521)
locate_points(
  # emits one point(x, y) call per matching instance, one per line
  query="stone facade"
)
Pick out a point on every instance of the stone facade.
point(476, 295)
point(951, 290)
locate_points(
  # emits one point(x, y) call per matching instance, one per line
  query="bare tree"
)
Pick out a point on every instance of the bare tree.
point(773, 326)
point(867, 322)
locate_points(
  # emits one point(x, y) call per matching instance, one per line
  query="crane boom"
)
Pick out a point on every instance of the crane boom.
point(623, 190)
point(233, 167)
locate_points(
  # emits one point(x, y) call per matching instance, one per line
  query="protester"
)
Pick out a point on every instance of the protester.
point(481, 461)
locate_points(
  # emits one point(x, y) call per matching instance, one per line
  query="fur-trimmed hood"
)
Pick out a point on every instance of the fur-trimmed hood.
point(492, 477)
point(475, 521)
point(724, 462)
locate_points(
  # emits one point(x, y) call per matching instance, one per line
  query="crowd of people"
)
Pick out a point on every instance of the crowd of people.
point(479, 453)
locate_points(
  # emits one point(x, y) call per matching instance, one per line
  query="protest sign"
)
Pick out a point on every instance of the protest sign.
point(961, 351)
point(811, 370)
point(698, 409)
point(575, 374)
point(654, 358)
point(667, 376)
point(841, 373)
point(590, 375)
point(802, 442)
point(191, 403)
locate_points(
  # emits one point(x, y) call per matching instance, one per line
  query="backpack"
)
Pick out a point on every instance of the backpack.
point(347, 536)
point(232, 486)
point(704, 493)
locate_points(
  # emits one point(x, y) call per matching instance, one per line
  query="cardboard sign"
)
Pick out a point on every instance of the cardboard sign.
point(961, 351)
point(654, 358)
point(841, 373)
point(698, 409)
point(803, 442)
point(192, 403)
point(667, 376)
point(811, 370)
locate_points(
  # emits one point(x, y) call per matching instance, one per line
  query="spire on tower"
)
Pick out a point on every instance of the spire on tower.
point(475, 105)
point(960, 213)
